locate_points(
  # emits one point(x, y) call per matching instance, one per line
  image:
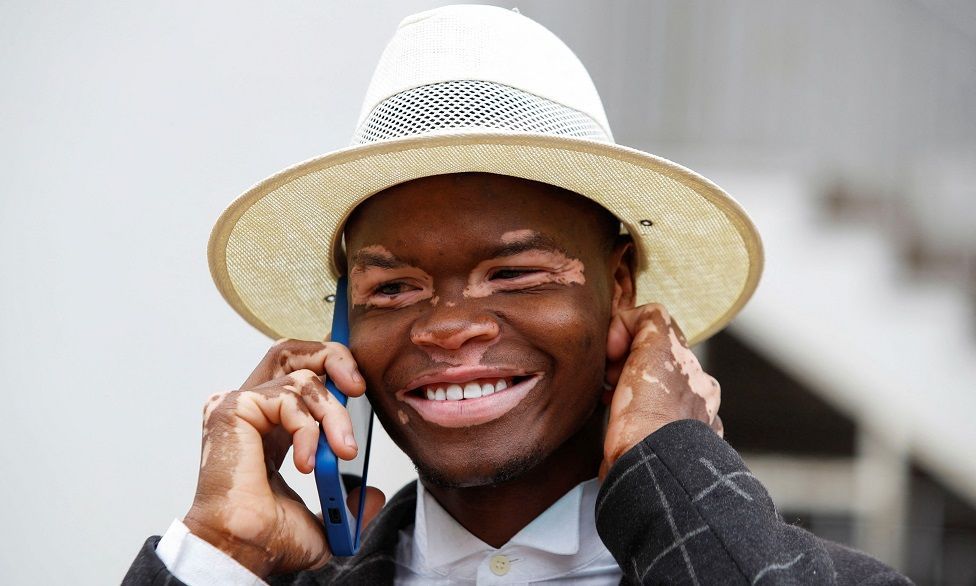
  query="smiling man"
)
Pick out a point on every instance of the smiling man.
point(492, 325)
point(516, 281)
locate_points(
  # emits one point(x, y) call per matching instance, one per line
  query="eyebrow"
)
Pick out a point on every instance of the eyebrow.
point(365, 259)
point(534, 242)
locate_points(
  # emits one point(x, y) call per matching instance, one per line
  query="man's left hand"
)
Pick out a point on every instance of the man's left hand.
point(655, 380)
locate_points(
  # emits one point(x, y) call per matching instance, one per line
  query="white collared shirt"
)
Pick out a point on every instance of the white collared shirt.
point(560, 546)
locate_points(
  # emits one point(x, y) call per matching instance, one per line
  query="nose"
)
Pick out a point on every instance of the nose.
point(450, 329)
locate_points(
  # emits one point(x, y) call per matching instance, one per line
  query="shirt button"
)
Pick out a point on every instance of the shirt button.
point(499, 565)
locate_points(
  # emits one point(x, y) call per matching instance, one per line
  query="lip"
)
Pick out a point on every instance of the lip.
point(468, 412)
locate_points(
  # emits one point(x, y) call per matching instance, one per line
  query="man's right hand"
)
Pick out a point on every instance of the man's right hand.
point(242, 504)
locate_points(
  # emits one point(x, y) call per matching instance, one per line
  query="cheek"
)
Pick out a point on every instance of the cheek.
point(373, 343)
point(572, 328)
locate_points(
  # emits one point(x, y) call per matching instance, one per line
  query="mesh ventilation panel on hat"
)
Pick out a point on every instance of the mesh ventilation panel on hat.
point(473, 104)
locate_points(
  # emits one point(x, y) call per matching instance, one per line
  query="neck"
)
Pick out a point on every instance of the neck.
point(524, 498)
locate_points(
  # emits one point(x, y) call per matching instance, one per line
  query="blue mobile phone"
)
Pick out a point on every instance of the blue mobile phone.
point(343, 523)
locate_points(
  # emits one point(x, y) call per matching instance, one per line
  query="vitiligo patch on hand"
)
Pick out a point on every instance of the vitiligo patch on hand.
point(698, 380)
point(646, 376)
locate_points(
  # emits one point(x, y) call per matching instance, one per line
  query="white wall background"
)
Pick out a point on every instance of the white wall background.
point(125, 128)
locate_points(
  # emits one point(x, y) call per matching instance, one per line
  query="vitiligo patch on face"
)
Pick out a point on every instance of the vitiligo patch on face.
point(513, 236)
point(553, 266)
point(403, 417)
point(449, 347)
point(374, 265)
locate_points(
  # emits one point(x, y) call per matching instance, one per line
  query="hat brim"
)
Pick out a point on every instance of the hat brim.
point(272, 252)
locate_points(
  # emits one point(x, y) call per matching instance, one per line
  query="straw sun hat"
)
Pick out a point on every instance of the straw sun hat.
point(480, 88)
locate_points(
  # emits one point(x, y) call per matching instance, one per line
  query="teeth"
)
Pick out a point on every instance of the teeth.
point(470, 390)
point(454, 393)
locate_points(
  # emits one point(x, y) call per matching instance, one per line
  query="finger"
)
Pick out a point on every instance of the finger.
point(718, 427)
point(712, 394)
point(327, 410)
point(276, 446)
point(678, 331)
point(288, 356)
point(324, 409)
point(644, 325)
point(266, 408)
point(342, 369)
point(283, 354)
point(375, 499)
point(650, 325)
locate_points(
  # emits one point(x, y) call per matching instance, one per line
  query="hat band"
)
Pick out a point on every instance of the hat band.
point(470, 105)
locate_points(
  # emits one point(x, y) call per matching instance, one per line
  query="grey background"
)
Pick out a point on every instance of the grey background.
point(126, 128)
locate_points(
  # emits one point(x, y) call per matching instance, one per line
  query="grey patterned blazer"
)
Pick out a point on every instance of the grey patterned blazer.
point(679, 508)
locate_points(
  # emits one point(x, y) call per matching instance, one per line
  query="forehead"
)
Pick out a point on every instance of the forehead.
point(460, 209)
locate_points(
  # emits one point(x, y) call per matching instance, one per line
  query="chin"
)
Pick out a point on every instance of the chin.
point(473, 474)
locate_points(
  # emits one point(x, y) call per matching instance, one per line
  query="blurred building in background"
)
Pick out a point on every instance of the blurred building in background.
point(848, 131)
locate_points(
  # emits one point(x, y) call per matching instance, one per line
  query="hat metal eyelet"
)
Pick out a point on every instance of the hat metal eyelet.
point(330, 298)
point(646, 223)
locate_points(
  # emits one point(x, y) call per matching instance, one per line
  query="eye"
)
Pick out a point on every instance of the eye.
point(507, 274)
point(391, 289)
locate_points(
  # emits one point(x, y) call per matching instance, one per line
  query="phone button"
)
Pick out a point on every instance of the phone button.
point(499, 565)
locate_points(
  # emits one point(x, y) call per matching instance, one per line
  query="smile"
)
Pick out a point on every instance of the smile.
point(464, 403)
point(469, 390)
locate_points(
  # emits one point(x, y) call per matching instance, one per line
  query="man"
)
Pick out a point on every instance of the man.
point(516, 281)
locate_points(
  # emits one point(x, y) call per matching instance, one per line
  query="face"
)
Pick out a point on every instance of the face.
point(479, 313)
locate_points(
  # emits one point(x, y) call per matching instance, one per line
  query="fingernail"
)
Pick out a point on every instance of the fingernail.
point(350, 441)
point(356, 377)
point(311, 460)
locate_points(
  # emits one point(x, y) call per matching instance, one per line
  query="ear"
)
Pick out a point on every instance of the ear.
point(623, 264)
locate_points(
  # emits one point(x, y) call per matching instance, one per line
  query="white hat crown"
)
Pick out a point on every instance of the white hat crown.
point(479, 69)
point(480, 89)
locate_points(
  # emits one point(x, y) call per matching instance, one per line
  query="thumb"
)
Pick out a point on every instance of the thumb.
point(375, 499)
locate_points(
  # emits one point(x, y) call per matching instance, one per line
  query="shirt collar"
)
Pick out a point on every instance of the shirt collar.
point(442, 541)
